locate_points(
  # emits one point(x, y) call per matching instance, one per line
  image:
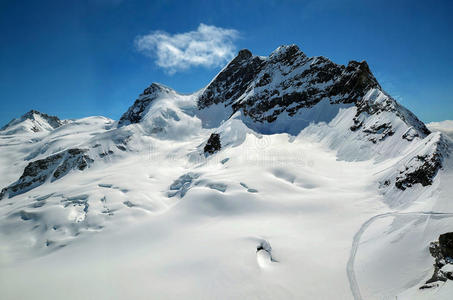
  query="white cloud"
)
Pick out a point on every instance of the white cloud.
point(208, 46)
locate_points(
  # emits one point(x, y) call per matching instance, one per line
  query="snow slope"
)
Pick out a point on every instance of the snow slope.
point(337, 197)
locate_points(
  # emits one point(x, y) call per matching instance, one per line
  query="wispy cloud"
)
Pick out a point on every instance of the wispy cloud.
point(208, 46)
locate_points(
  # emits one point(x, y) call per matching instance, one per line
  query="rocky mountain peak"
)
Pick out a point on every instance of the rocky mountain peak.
point(355, 81)
point(287, 54)
point(233, 80)
point(136, 112)
point(285, 82)
point(30, 114)
point(155, 89)
point(364, 76)
point(39, 121)
point(244, 54)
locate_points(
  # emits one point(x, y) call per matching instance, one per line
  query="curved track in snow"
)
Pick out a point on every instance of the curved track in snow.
point(355, 244)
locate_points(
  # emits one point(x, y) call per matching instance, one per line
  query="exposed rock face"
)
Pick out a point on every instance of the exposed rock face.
point(423, 173)
point(73, 159)
point(40, 121)
point(213, 145)
point(138, 110)
point(422, 168)
point(383, 129)
point(375, 104)
point(53, 167)
point(286, 81)
point(265, 89)
point(442, 251)
point(446, 244)
point(233, 81)
point(281, 89)
point(410, 134)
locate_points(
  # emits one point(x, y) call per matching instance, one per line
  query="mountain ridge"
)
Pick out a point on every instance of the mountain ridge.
point(351, 96)
point(276, 172)
point(37, 122)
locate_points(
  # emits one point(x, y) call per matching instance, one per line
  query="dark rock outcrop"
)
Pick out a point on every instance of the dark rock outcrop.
point(446, 244)
point(53, 121)
point(382, 130)
point(137, 111)
point(423, 174)
point(53, 167)
point(442, 251)
point(422, 168)
point(233, 81)
point(264, 88)
point(213, 144)
point(286, 81)
point(106, 153)
point(366, 107)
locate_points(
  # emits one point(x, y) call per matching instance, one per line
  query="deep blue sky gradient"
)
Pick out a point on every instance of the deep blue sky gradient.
point(77, 58)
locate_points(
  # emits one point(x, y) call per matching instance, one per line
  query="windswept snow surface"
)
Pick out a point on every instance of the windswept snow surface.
point(115, 231)
point(201, 245)
point(315, 214)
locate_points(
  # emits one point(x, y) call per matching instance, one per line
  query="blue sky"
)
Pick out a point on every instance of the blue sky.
point(82, 58)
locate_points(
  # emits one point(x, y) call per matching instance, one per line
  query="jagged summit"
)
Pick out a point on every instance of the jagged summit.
point(255, 164)
point(156, 89)
point(287, 73)
point(136, 112)
point(287, 53)
point(244, 54)
point(284, 93)
point(33, 121)
point(36, 115)
point(232, 81)
point(287, 90)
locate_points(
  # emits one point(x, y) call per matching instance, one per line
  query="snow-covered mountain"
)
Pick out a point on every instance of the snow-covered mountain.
point(284, 175)
point(32, 121)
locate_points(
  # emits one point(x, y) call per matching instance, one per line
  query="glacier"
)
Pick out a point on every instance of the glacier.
point(320, 186)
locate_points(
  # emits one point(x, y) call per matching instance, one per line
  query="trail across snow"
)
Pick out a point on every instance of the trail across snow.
point(355, 289)
point(155, 217)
